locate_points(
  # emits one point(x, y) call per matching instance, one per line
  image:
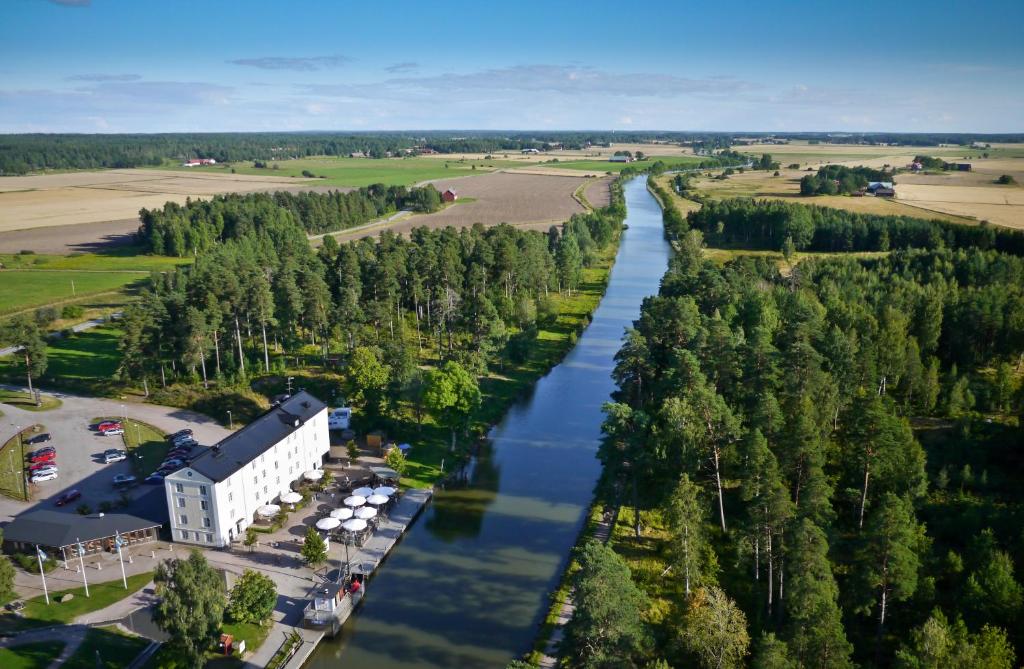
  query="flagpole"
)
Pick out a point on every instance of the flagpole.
point(81, 561)
point(118, 542)
point(39, 556)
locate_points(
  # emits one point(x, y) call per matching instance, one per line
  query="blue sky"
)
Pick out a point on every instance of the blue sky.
point(147, 66)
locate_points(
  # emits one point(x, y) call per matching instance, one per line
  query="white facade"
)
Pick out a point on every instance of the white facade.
point(214, 513)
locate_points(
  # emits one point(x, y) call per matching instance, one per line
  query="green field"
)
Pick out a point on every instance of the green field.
point(605, 166)
point(356, 172)
point(85, 362)
point(24, 289)
point(121, 259)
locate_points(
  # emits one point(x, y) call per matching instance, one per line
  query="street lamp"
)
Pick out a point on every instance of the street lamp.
point(231, 421)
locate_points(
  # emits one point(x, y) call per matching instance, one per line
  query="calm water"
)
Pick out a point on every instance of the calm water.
point(468, 585)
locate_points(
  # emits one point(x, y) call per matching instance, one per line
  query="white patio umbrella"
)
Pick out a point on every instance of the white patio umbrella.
point(363, 492)
point(354, 525)
point(327, 523)
point(385, 490)
point(291, 498)
point(377, 500)
point(268, 510)
point(365, 512)
point(344, 513)
point(355, 500)
point(313, 474)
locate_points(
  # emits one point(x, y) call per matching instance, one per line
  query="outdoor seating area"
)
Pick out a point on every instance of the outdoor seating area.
point(358, 513)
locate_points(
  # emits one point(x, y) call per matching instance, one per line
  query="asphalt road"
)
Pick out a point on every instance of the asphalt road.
point(80, 449)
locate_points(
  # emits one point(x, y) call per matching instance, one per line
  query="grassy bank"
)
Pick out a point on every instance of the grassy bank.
point(146, 445)
point(12, 463)
point(106, 648)
point(25, 401)
point(39, 655)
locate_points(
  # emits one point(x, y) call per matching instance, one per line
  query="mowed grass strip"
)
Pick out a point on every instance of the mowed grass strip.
point(146, 445)
point(12, 464)
point(120, 259)
point(25, 289)
point(101, 595)
point(106, 648)
point(37, 655)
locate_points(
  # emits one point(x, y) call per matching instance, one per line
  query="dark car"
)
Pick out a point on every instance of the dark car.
point(178, 453)
point(123, 480)
point(68, 497)
point(42, 456)
point(180, 433)
point(39, 439)
point(15, 606)
point(155, 478)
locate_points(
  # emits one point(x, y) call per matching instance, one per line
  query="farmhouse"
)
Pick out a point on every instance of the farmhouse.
point(450, 195)
point(963, 167)
point(61, 534)
point(620, 159)
point(214, 498)
point(196, 162)
point(881, 189)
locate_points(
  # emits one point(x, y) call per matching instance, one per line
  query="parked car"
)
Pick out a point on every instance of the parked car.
point(154, 479)
point(124, 480)
point(42, 465)
point(113, 455)
point(68, 497)
point(15, 606)
point(46, 456)
point(184, 441)
point(41, 477)
point(39, 439)
point(179, 434)
point(108, 425)
point(45, 469)
point(188, 445)
point(173, 462)
point(45, 449)
point(112, 432)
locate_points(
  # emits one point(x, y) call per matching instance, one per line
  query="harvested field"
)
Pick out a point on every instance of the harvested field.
point(114, 195)
point(598, 192)
point(80, 238)
point(526, 200)
point(1001, 205)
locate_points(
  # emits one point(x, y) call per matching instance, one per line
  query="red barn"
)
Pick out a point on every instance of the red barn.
point(450, 195)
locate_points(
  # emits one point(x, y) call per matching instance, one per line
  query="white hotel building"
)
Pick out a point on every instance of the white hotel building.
point(213, 499)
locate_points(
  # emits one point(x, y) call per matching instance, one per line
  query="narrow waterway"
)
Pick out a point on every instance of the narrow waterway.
point(468, 584)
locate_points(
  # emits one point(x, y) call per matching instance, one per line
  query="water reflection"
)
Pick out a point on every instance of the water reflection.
point(469, 582)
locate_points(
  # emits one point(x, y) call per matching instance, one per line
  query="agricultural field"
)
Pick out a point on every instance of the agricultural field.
point(814, 155)
point(114, 195)
point(501, 197)
point(603, 166)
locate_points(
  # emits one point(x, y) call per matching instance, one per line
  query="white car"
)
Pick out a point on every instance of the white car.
point(113, 455)
point(113, 432)
point(339, 419)
point(44, 475)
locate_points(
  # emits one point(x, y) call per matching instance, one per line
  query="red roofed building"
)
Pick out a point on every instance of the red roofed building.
point(449, 195)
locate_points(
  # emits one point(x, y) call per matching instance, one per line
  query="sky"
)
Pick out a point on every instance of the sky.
point(276, 65)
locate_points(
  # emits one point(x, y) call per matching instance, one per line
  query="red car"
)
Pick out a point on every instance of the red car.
point(68, 497)
point(48, 456)
point(40, 465)
point(109, 425)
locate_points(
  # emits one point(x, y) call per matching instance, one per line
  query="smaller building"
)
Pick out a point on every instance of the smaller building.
point(59, 533)
point(450, 195)
point(196, 162)
point(620, 159)
point(881, 189)
point(963, 167)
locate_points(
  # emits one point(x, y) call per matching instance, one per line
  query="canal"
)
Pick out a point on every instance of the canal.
point(469, 582)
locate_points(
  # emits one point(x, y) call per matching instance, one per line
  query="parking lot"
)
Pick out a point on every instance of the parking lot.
point(80, 449)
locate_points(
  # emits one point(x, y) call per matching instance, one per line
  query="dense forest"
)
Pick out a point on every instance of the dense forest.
point(180, 230)
point(475, 296)
point(819, 466)
point(21, 154)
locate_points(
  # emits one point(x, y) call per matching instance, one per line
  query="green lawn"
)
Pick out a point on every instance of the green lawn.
point(12, 465)
point(114, 648)
point(23, 400)
point(101, 595)
point(27, 288)
point(147, 446)
point(84, 362)
point(605, 166)
point(120, 258)
point(357, 172)
point(168, 657)
point(31, 655)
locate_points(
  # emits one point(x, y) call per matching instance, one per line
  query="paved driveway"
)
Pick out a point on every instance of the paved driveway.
point(79, 447)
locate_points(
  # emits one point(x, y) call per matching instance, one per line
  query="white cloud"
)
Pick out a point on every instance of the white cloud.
point(303, 64)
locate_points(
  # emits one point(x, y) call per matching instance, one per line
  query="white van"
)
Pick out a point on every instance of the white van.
point(339, 418)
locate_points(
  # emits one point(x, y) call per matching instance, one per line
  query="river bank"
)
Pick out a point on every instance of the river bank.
point(469, 583)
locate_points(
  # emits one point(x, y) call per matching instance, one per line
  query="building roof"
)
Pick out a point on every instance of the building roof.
point(326, 590)
point(56, 529)
point(242, 447)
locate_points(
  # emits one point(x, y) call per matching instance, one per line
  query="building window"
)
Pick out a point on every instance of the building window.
point(183, 519)
point(202, 490)
point(181, 502)
point(278, 480)
point(206, 522)
point(265, 490)
point(264, 473)
point(184, 535)
point(209, 538)
point(179, 487)
point(231, 496)
point(204, 505)
point(255, 480)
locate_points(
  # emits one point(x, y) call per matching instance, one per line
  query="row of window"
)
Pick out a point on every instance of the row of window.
point(183, 520)
point(203, 504)
point(200, 536)
point(178, 487)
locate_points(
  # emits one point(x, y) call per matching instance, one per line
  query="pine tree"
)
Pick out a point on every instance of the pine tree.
point(692, 556)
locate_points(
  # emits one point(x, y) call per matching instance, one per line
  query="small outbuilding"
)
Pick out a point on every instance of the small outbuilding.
point(450, 195)
point(963, 167)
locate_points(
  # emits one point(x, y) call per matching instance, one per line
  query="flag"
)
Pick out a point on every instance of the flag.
point(118, 541)
point(81, 549)
point(42, 554)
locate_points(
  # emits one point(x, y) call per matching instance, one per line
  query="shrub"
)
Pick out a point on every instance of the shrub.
point(72, 311)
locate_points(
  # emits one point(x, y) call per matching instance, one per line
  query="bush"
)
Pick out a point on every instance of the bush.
point(72, 311)
point(30, 563)
point(45, 315)
point(1006, 180)
point(308, 174)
